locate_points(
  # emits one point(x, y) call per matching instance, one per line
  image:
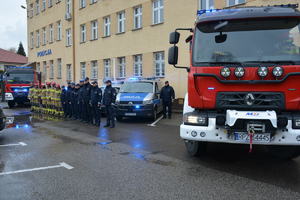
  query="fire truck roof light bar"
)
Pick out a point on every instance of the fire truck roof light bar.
point(203, 11)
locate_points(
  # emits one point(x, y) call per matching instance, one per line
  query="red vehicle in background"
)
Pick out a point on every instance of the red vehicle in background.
point(17, 81)
point(243, 80)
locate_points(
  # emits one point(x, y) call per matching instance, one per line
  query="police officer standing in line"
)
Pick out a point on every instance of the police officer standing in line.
point(68, 100)
point(167, 95)
point(96, 98)
point(63, 99)
point(109, 99)
point(75, 102)
point(80, 100)
point(86, 100)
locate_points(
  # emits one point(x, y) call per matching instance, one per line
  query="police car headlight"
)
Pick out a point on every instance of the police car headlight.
point(195, 119)
point(148, 101)
point(118, 101)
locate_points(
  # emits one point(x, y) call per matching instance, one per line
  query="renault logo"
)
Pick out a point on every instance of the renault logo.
point(249, 99)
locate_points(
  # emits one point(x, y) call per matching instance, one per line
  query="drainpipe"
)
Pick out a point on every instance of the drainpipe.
point(73, 40)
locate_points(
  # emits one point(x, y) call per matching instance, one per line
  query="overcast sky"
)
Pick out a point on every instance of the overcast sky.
point(13, 27)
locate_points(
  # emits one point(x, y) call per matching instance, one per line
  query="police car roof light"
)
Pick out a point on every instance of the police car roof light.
point(201, 12)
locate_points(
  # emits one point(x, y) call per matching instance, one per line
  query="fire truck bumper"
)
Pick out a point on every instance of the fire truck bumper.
point(212, 133)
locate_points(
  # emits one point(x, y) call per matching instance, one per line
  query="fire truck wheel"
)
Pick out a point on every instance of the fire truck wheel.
point(195, 148)
point(285, 152)
point(11, 104)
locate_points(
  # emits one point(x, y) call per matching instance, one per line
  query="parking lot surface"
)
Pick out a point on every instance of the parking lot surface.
point(42, 159)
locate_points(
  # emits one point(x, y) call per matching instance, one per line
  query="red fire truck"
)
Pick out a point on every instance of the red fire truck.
point(17, 81)
point(244, 79)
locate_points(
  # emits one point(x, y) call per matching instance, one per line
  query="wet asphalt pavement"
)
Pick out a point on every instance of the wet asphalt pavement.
point(132, 161)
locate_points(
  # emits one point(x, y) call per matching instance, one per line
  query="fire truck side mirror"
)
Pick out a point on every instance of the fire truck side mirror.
point(173, 55)
point(174, 37)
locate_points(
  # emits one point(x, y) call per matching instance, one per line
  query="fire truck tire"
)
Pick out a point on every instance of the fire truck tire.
point(11, 104)
point(195, 148)
point(285, 152)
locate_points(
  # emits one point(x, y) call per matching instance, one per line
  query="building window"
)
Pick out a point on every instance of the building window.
point(138, 65)
point(93, 1)
point(43, 5)
point(206, 4)
point(68, 6)
point(137, 17)
point(235, 2)
point(158, 11)
point(82, 33)
point(45, 70)
point(82, 3)
point(159, 62)
point(59, 68)
point(69, 72)
point(44, 38)
point(69, 37)
point(59, 35)
point(122, 67)
point(31, 40)
point(107, 71)
point(106, 26)
point(121, 22)
point(31, 10)
point(38, 67)
point(51, 70)
point(51, 33)
point(38, 39)
point(50, 3)
point(82, 70)
point(94, 70)
point(94, 30)
point(37, 7)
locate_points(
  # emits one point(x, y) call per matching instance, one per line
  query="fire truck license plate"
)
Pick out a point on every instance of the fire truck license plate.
point(263, 137)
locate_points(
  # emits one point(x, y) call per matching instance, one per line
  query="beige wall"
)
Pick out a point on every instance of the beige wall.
point(149, 39)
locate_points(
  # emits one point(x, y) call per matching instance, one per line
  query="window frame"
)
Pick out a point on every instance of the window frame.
point(37, 7)
point(121, 67)
point(44, 5)
point(32, 40)
point(59, 68)
point(45, 69)
point(236, 2)
point(82, 4)
point(69, 72)
point(82, 70)
point(138, 65)
point(121, 20)
point(138, 17)
point(94, 35)
point(59, 31)
point(38, 39)
point(68, 6)
point(161, 63)
point(51, 69)
point(94, 69)
point(51, 35)
point(107, 68)
point(160, 12)
point(68, 37)
point(82, 33)
point(106, 26)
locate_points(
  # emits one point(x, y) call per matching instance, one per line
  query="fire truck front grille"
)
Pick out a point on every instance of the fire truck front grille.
point(250, 100)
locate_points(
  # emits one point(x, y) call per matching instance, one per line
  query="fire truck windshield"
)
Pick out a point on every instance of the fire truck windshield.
point(20, 77)
point(246, 43)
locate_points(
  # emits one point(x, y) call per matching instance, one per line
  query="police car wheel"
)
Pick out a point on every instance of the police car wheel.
point(11, 104)
point(119, 118)
point(154, 116)
point(195, 148)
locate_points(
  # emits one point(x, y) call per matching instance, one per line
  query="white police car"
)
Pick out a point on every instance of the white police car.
point(139, 98)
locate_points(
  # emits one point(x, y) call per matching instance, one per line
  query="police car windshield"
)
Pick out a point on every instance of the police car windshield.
point(137, 87)
point(247, 41)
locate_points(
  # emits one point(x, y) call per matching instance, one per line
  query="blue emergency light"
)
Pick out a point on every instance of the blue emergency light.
point(137, 106)
point(201, 12)
point(20, 90)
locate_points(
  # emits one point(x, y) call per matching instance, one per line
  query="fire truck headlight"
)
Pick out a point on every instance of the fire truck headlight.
point(239, 72)
point(262, 72)
point(225, 72)
point(296, 123)
point(195, 119)
point(277, 71)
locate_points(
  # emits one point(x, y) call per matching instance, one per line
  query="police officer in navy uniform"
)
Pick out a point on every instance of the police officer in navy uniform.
point(63, 99)
point(87, 100)
point(68, 100)
point(80, 100)
point(167, 95)
point(96, 98)
point(75, 102)
point(109, 99)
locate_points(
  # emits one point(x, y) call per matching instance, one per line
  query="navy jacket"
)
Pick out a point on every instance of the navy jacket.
point(167, 94)
point(87, 92)
point(96, 95)
point(80, 94)
point(109, 95)
point(63, 96)
point(69, 94)
point(75, 96)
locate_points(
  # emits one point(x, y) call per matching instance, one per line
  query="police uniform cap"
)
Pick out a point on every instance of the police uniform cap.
point(108, 81)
